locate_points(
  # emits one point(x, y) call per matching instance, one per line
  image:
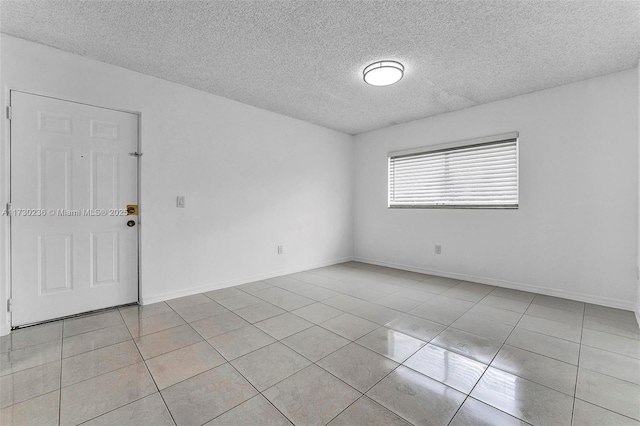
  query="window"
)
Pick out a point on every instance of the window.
point(479, 173)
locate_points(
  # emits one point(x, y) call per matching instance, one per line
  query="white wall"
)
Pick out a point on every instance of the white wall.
point(638, 262)
point(255, 179)
point(575, 233)
point(252, 179)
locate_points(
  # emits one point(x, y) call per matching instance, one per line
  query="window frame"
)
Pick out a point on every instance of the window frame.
point(451, 146)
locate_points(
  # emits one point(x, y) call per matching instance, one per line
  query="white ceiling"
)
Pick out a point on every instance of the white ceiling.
point(304, 59)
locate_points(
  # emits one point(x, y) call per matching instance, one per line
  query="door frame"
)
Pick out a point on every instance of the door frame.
point(6, 224)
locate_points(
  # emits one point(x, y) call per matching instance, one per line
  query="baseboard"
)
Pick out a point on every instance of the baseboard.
point(224, 284)
point(596, 300)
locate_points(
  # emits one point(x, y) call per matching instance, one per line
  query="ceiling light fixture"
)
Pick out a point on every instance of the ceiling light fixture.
point(383, 73)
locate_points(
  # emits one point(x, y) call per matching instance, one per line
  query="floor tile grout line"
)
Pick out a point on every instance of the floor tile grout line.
point(13, 384)
point(546, 335)
point(122, 406)
point(611, 319)
point(145, 362)
point(368, 389)
point(61, 338)
point(183, 297)
point(359, 298)
point(505, 340)
point(608, 409)
point(60, 378)
point(259, 393)
point(96, 349)
point(206, 371)
point(285, 378)
point(275, 286)
point(380, 326)
point(34, 397)
point(200, 319)
point(485, 371)
point(301, 354)
point(31, 368)
point(131, 402)
point(336, 350)
point(234, 330)
point(159, 331)
point(608, 351)
point(614, 334)
point(89, 316)
point(313, 364)
point(575, 386)
point(103, 374)
point(151, 375)
point(612, 353)
point(348, 338)
point(185, 379)
point(240, 307)
point(93, 349)
point(377, 382)
point(78, 316)
point(531, 380)
point(468, 395)
point(362, 395)
point(535, 353)
point(524, 350)
point(303, 330)
point(291, 311)
point(131, 337)
point(11, 335)
point(412, 354)
point(495, 408)
point(521, 316)
point(555, 320)
point(107, 372)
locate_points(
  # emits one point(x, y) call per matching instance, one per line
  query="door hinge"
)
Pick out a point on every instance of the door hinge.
point(9, 113)
point(9, 305)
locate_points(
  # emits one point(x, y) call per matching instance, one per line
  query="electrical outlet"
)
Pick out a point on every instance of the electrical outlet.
point(180, 201)
point(280, 250)
point(438, 249)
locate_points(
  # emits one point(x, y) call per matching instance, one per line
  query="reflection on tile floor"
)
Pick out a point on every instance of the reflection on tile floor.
point(349, 344)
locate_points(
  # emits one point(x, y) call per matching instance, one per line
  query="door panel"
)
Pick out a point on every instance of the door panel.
point(104, 180)
point(54, 263)
point(105, 255)
point(54, 177)
point(72, 177)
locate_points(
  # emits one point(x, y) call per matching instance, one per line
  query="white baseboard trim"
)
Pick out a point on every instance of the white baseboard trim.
point(596, 300)
point(224, 284)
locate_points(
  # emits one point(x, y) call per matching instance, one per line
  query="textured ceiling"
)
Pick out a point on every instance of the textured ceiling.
point(304, 59)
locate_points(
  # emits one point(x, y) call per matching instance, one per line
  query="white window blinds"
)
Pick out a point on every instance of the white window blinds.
point(474, 175)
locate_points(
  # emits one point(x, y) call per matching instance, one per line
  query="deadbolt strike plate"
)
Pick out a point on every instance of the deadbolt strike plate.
point(132, 210)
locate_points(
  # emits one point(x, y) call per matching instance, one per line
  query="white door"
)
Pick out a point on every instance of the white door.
point(72, 177)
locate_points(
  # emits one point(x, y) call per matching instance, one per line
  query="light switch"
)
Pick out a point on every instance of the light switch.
point(180, 202)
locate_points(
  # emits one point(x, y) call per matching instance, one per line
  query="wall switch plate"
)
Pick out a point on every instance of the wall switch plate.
point(438, 249)
point(280, 251)
point(180, 201)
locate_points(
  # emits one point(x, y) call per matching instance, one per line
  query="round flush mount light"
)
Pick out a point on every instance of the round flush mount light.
point(383, 73)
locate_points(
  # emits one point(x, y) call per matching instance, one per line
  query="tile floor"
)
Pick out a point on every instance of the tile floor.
point(349, 344)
